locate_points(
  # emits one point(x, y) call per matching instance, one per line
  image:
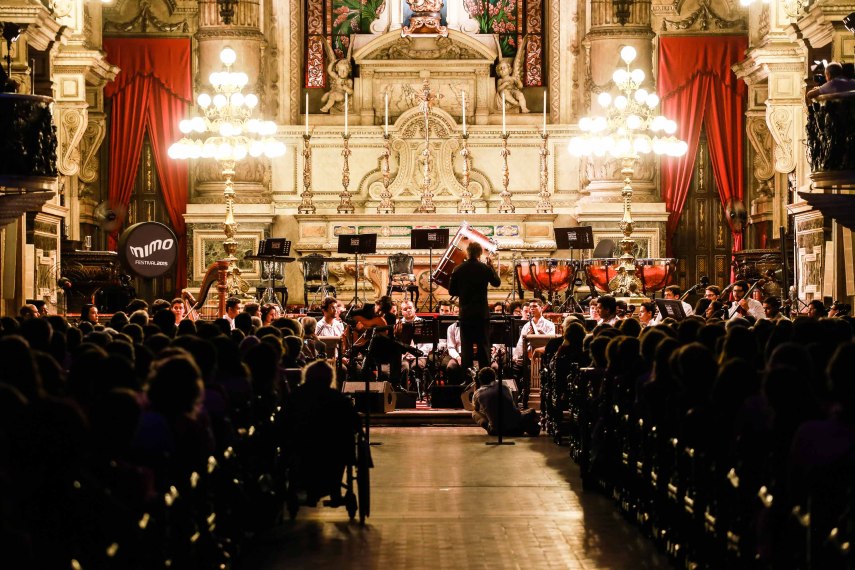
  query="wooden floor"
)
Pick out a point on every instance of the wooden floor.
point(443, 499)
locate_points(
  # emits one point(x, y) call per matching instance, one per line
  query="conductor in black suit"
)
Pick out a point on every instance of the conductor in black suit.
point(469, 284)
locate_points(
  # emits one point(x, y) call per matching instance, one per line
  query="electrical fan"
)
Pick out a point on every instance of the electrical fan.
point(109, 216)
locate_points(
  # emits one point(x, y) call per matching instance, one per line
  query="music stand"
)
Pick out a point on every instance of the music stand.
point(671, 308)
point(581, 238)
point(356, 244)
point(273, 253)
point(429, 238)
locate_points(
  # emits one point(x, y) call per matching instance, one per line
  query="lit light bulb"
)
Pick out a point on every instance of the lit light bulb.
point(237, 99)
point(241, 79)
point(640, 96)
point(216, 78)
point(198, 124)
point(174, 151)
point(251, 100)
point(256, 148)
point(220, 101)
point(627, 54)
point(600, 124)
point(185, 126)
point(204, 100)
point(670, 127)
point(641, 145)
point(604, 99)
point(228, 56)
point(620, 76)
point(652, 100)
point(585, 124)
point(637, 76)
point(620, 102)
point(633, 122)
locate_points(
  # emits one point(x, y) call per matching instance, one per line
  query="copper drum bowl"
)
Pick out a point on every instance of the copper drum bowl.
point(753, 264)
point(655, 273)
point(545, 274)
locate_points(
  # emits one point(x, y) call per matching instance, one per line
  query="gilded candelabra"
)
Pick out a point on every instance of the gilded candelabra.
point(228, 134)
point(386, 206)
point(506, 207)
point(345, 206)
point(629, 129)
point(306, 205)
point(466, 206)
point(544, 206)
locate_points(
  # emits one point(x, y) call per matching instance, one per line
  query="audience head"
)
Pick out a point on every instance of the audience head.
point(319, 374)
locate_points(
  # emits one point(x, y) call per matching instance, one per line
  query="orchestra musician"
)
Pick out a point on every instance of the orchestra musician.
point(404, 330)
point(672, 293)
point(744, 306)
point(772, 309)
point(645, 313)
point(606, 310)
point(537, 324)
point(445, 307)
point(329, 325)
point(469, 283)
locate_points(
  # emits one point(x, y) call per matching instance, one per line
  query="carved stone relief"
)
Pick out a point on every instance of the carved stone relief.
point(781, 121)
point(408, 149)
point(71, 124)
point(705, 17)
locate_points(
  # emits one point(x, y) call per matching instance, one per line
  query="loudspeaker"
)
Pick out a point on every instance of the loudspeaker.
point(381, 398)
point(448, 397)
point(406, 400)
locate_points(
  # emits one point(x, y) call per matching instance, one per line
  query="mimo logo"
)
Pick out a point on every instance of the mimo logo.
point(152, 247)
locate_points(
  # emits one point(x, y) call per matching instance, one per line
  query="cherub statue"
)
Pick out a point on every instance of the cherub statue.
point(339, 71)
point(509, 80)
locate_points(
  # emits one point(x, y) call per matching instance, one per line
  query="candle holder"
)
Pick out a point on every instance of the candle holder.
point(544, 206)
point(466, 206)
point(386, 206)
point(306, 205)
point(345, 205)
point(506, 207)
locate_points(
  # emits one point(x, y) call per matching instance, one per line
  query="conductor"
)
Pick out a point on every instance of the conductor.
point(469, 283)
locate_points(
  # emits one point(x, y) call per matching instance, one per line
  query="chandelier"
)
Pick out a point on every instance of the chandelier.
point(227, 132)
point(628, 129)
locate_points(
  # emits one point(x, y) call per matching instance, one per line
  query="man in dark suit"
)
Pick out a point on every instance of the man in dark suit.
point(469, 283)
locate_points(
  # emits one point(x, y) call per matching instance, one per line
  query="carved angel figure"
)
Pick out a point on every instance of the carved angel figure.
point(339, 71)
point(509, 80)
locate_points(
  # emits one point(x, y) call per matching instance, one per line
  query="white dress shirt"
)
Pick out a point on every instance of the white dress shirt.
point(336, 328)
point(755, 309)
point(452, 341)
point(541, 326)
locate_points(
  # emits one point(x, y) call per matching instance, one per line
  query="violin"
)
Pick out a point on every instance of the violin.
point(734, 305)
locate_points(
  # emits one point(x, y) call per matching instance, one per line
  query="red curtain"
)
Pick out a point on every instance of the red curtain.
point(696, 84)
point(151, 92)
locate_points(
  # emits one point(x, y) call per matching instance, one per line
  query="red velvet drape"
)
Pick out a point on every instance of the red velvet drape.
point(696, 84)
point(151, 92)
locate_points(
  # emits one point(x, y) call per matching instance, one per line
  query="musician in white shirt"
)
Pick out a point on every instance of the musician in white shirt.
point(672, 293)
point(329, 325)
point(744, 306)
point(537, 324)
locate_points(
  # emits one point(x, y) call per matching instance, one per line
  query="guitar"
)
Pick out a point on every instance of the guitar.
point(358, 331)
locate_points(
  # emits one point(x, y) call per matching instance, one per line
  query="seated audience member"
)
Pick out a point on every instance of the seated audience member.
point(319, 425)
point(269, 313)
point(179, 310)
point(89, 314)
point(29, 311)
point(772, 308)
point(835, 82)
point(233, 307)
point(816, 310)
point(486, 408)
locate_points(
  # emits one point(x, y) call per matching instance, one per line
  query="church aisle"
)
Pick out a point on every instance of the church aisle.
point(443, 499)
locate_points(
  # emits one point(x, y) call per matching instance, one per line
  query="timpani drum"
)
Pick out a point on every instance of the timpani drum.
point(545, 274)
point(654, 273)
point(456, 252)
